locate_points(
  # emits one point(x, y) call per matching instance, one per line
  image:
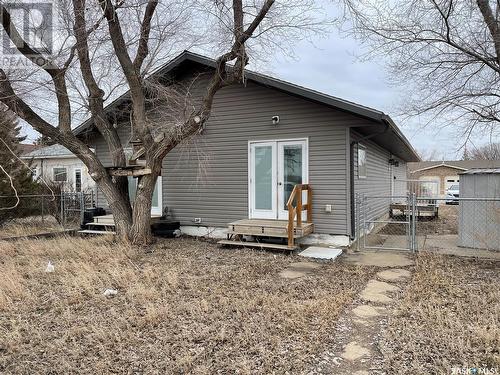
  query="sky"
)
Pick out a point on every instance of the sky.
point(332, 66)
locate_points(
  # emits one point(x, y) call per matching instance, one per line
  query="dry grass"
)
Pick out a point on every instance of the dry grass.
point(29, 226)
point(449, 317)
point(188, 307)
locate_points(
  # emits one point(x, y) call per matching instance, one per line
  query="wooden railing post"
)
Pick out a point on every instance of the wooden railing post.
point(309, 204)
point(291, 214)
point(293, 211)
point(299, 206)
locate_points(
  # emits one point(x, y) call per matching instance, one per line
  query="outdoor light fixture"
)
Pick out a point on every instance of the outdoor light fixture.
point(276, 120)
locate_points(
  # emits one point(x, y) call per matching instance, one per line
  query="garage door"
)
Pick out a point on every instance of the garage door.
point(450, 180)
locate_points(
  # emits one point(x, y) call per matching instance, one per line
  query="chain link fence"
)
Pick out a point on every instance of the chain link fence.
point(410, 222)
point(64, 209)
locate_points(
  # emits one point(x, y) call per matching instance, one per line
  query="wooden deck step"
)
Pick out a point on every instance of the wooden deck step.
point(90, 231)
point(260, 245)
point(269, 228)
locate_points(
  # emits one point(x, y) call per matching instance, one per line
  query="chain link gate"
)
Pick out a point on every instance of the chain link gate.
point(386, 222)
point(73, 207)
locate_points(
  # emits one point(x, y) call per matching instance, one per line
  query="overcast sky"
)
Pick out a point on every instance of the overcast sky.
point(333, 66)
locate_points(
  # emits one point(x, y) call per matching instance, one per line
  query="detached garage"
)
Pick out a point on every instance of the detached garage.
point(479, 220)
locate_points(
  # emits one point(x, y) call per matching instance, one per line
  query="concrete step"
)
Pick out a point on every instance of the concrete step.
point(261, 245)
point(90, 231)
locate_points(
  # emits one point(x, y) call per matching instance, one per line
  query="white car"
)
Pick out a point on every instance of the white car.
point(452, 194)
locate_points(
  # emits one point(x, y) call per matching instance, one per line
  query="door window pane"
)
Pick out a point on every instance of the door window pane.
point(156, 202)
point(263, 177)
point(292, 169)
point(132, 188)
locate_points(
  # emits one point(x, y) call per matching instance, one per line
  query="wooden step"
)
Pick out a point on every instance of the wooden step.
point(90, 231)
point(261, 245)
point(268, 228)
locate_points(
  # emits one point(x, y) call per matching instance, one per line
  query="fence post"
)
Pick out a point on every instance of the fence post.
point(412, 212)
point(43, 217)
point(62, 209)
point(82, 208)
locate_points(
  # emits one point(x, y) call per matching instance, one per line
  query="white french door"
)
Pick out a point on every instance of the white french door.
point(275, 167)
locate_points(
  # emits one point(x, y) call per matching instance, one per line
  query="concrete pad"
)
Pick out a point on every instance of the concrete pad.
point(379, 259)
point(367, 311)
point(361, 372)
point(321, 252)
point(354, 351)
point(375, 291)
point(447, 245)
point(288, 274)
point(299, 269)
point(304, 266)
point(394, 274)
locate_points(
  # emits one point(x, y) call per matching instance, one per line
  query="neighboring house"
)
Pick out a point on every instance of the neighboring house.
point(246, 161)
point(56, 163)
point(446, 173)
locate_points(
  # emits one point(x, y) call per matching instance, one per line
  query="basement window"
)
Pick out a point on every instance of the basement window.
point(60, 174)
point(361, 161)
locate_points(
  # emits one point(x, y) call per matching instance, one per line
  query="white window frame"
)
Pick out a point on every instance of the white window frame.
point(362, 148)
point(54, 173)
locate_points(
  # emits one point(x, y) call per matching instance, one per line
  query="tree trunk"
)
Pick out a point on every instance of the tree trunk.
point(140, 230)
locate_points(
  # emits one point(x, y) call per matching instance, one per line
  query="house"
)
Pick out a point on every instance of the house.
point(57, 164)
point(446, 173)
point(262, 139)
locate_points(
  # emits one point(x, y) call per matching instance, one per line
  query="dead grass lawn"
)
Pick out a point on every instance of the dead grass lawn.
point(29, 226)
point(449, 317)
point(188, 307)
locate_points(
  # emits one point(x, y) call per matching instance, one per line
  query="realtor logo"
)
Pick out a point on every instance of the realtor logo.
point(31, 25)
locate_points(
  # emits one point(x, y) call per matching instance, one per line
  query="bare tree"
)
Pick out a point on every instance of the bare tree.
point(490, 151)
point(429, 154)
point(100, 38)
point(447, 51)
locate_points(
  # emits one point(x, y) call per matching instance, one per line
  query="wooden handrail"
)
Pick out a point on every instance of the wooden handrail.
point(296, 211)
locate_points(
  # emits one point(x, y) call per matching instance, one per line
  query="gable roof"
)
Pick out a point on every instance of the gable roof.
point(461, 165)
point(25, 148)
point(397, 143)
point(54, 151)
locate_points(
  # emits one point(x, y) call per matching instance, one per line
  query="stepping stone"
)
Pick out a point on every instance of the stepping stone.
point(354, 351)
point(321, 252)
point(366, 311)
point(393, 274)
point(375, 291)
point(299, 269)
point(383, 259)
point(361, 372)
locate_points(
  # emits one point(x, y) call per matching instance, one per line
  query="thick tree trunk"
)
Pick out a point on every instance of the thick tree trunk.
point(140, 231)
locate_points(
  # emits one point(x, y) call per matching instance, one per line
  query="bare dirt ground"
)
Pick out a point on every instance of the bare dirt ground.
point(187, 307)
point(448, 318)
point(29, 226)
point(445, 223)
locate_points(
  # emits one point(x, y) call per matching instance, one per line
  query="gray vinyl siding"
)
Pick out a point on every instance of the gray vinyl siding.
point(377, 184)
point(208, 178)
